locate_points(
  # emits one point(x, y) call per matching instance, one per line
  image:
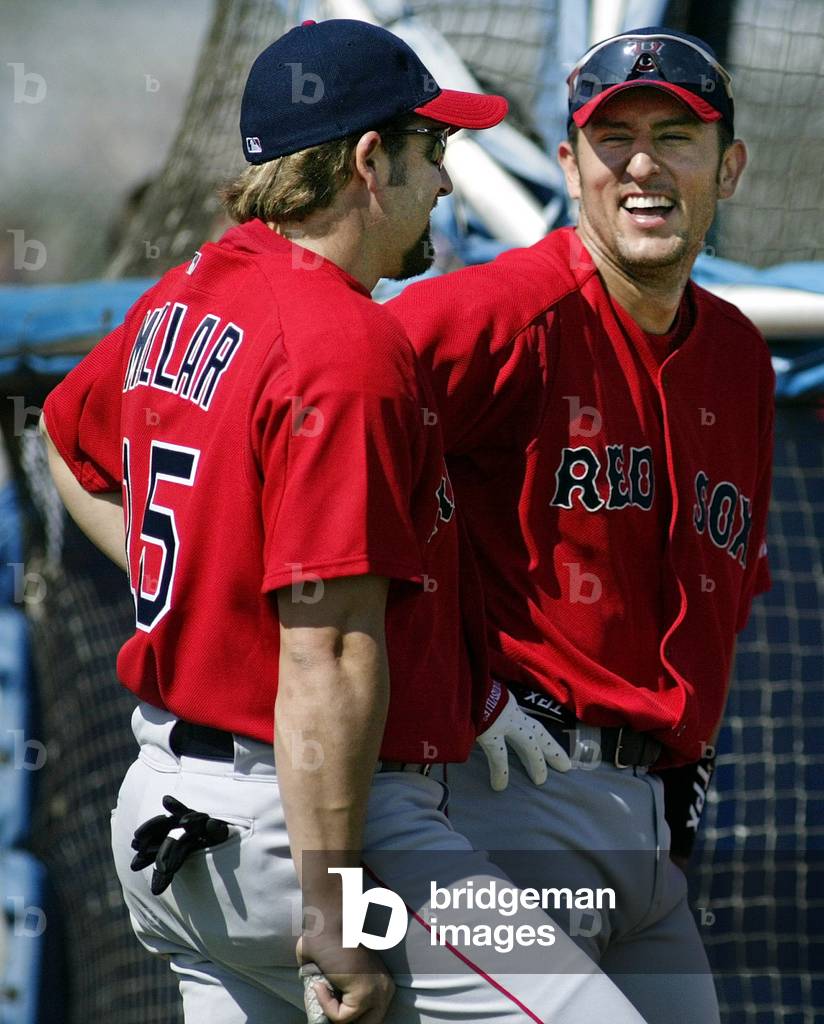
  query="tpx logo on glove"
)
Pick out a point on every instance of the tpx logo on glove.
point(355, 904)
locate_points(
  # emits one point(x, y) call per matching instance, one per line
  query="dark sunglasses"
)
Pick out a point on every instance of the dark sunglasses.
point(440, 136)
point(663, 58)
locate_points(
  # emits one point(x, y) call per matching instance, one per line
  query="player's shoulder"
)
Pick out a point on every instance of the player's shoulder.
point(325, 309)
point(178, 284)
point(337, 333)
point(504, 295)
point(320, 321)
point(155, 295)
point(738, 329)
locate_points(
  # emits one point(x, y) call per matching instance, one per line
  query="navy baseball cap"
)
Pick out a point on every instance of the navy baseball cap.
point(659, 57)
point(327, 80)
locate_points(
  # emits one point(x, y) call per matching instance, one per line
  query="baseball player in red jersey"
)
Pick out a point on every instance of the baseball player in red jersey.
point(257, 447)
point(608, 428)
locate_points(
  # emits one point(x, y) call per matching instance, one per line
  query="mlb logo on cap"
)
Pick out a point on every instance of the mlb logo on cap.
point(253, 144)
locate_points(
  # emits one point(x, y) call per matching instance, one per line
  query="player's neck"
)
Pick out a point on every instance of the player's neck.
point(652, 300)
point(654, 309)
point(334, 239)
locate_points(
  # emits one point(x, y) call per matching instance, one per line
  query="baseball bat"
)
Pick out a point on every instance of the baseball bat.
point(310, 974)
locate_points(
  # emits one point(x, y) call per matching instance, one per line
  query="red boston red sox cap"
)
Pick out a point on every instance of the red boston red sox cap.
point(326, 80)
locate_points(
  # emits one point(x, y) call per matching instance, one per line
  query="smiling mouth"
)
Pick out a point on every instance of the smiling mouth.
point(648, 210)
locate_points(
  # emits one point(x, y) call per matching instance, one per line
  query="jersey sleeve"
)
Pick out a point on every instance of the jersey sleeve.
point(758, 579)
point(338, 466)
point(482, 367)
point(82, 415)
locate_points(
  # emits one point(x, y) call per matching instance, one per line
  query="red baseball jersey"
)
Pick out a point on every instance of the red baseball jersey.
point(615, 484)
point(270, 427)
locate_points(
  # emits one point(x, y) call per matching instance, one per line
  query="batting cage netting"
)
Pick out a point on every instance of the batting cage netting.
point(772, 47)
point(758, 880)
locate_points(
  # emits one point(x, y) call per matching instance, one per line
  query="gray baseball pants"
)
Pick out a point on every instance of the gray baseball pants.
point(598, 825)
point(229, 921)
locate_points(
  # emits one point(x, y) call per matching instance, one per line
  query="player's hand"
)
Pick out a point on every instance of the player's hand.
point(529, 739)
point(363, 988)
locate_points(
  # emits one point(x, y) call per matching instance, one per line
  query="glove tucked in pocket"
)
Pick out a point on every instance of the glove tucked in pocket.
point(156, 845)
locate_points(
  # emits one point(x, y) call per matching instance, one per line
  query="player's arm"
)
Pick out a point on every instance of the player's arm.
point(99, 516)
point(333, 697)
point(686, 788)
point(330, 713)
point(481, 368)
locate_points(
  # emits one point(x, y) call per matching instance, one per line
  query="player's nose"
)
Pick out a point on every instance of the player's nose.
point(446, 183)
point(642, 164)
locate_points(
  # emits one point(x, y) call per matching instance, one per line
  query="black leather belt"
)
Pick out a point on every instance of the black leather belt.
point(619, 745)
point(202, 741)
point(217, 745)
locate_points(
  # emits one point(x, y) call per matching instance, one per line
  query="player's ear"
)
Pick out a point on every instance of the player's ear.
point(569, 165)
point(368, 155)
point(731, 168)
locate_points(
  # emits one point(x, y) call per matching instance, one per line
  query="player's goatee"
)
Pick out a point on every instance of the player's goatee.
point(418, 257)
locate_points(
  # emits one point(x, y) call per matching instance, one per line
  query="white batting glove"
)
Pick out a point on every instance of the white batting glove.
point(529, 739)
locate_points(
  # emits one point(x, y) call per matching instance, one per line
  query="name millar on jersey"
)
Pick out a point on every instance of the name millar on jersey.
point(209, 350)
point(721, 510)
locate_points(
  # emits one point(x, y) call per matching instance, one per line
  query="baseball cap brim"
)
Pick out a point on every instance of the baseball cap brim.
point(465, 109)
point(700, 107)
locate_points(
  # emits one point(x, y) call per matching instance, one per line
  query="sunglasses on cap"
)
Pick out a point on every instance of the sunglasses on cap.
point(440, 136)
point(664, 59)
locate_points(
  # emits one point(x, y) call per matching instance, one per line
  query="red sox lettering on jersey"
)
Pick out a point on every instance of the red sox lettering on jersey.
point(716, 513)
point(614, 483)
point(628, 479)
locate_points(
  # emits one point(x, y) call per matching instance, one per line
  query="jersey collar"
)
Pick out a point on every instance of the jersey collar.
point(254, 236)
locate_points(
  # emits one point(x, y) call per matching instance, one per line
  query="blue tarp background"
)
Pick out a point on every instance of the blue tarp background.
point(34, 320)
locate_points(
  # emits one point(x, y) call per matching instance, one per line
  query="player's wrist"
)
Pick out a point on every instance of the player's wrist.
point(497, 697)
point(329, 953)
point(323, 910)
